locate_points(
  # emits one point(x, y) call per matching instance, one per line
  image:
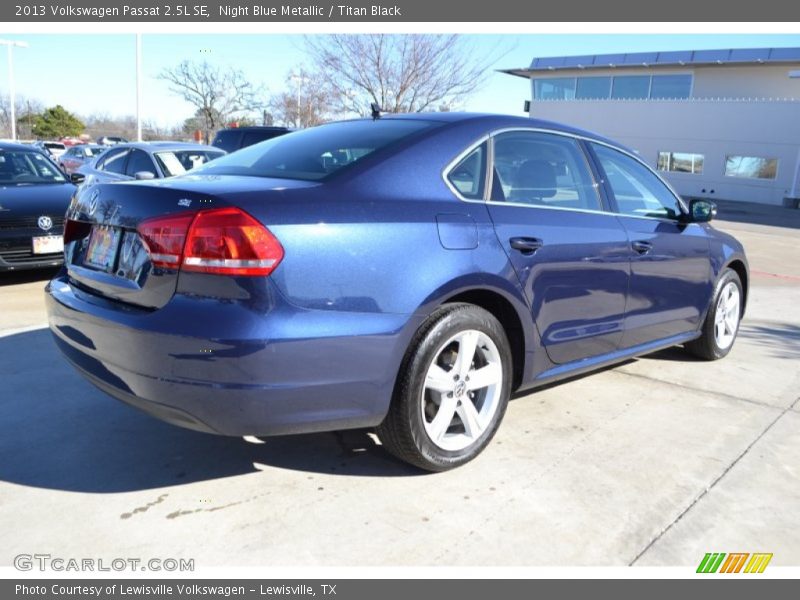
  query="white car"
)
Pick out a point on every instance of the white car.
point(53, 149)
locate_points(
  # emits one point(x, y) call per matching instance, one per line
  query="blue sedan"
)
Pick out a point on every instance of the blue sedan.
point(406, 273)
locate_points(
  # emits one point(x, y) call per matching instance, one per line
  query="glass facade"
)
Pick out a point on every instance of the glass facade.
point(623, 87)
point(753, 167)
point(590, 88)
point(681, 162)
point(554, 88)
point(631, 87)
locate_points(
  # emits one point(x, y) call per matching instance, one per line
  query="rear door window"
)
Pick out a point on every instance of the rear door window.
point(114, 162)
point(542, 169)
point(139, 162)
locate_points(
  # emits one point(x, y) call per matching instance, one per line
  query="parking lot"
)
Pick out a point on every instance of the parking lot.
point(653, 462)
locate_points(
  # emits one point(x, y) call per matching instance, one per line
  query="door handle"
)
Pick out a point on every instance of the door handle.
point(526, 245)
point(641, 247)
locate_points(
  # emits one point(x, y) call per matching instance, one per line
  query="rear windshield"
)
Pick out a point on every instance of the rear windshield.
point(24, 167)
point(177, 162)
point(226, 140)
point(315, 153)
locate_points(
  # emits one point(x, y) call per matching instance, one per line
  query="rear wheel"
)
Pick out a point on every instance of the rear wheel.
point(452, 390)
point(722, 321)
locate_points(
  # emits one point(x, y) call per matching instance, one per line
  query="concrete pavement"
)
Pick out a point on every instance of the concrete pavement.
point(653, 462)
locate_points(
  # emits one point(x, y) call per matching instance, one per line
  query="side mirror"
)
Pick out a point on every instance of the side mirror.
point(144, 175)
point(701, 211)
point(77, 178)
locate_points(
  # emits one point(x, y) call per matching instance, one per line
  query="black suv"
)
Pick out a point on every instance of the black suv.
point(238, 137)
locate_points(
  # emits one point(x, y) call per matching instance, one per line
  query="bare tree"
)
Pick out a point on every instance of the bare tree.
point(26, 109)
point(218, 93)
point(401, 73)
point(305, 103)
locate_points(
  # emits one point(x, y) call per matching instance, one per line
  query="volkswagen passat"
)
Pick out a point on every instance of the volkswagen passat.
point(406, 273)
point(34, 195)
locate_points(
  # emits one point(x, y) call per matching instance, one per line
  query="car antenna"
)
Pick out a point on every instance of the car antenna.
point(376, 111)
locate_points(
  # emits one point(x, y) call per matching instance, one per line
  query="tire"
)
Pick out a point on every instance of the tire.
point(434, 381)
point(722, 320)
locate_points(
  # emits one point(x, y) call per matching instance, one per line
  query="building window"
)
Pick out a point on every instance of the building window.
point(754, 167)
point(623, 87)
point(671, 86)
point(554, 88)
point(631, 87)
point(592, 88)
point(681, 162)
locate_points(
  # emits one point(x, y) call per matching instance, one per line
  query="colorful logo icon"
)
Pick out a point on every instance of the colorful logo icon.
point(734, 562)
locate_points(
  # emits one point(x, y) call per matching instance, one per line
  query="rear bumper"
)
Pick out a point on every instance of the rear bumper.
point(225, 368)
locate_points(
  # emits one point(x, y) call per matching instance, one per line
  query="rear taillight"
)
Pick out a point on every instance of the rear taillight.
point(224, 241)
point(165, 238)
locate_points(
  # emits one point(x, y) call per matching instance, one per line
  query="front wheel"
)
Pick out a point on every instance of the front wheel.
point(452, 390)
point(722, 321)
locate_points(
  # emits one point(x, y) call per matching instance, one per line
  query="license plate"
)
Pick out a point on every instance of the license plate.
point(48, 244)
point(102, 248)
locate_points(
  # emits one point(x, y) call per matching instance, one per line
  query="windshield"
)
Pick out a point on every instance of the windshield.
point(54, 146)
point(177, 162)
point(313, 154)
point(20, 167)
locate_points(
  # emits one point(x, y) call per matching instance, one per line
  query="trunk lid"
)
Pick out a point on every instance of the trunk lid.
point(106, 256)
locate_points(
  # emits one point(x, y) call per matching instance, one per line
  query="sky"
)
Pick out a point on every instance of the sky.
point(94, 73)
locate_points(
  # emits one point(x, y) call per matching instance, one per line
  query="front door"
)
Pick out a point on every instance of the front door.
point(671, 274)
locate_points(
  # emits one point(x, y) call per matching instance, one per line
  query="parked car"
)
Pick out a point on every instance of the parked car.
point(406, 273)
point(79, 155)
point(145, 160)
point(53, 149)
point(110, 140)
point(234, 138)
point(34, 195)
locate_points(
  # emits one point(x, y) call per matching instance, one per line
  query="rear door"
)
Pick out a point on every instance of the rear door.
point(571, 256)
point(671, 274)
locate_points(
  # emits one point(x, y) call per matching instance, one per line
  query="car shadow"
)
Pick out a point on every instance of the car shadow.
point(27, 276)
point(58, 432)
point(781, 340)
point(758, 214)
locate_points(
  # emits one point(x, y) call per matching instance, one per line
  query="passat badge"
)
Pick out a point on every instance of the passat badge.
point(184, 202)
point(45, 223)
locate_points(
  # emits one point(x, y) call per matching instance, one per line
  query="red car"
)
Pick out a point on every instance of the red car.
point(79, 155)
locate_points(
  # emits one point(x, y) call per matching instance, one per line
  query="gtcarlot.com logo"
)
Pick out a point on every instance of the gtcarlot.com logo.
point(734, 562)
point(47, 562)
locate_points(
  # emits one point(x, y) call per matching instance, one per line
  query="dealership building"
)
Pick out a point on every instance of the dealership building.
point(717, 123)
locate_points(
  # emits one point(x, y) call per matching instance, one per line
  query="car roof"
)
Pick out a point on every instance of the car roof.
point(16, 146)
point(167, 145)
point(499, 121)
point(256, 128)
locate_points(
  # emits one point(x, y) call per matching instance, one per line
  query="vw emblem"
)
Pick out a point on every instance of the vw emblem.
point(45, 223)
point(93, 202)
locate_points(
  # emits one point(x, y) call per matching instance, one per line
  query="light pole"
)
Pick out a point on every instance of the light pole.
point(11, 93)
point(299, 80)
point(138, 87)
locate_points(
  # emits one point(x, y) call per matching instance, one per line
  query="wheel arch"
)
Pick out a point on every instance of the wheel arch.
point(740, 268)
